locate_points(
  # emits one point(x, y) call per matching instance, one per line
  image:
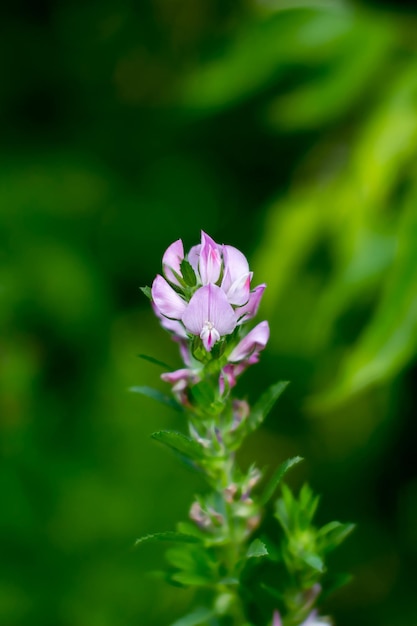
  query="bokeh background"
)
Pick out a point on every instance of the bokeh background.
point(287, 128)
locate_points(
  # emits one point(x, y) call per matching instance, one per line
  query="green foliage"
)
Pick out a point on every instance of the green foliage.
point(180, 443)
point(278, 476)
point(157, 395)
point(264, 405)
point(173, 536)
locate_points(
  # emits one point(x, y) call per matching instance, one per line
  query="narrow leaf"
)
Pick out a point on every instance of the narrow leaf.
point(188, 273)
point(256, 549)
point(157, 395)
point(198, 617)
point(333, 534)
point(147, 291)
point(169, 535)
point(151, 359)
point(278, 476)
point(265, 404)
point(180, 443)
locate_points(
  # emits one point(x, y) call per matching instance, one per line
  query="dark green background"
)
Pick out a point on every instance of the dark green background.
point(289, 133)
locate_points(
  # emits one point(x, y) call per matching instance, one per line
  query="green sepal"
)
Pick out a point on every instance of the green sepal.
point(152, 359)
point(265, 403)
point(256, 549)
point(169, 535)
point(188, 273)
point(198, 617)
point(277, 477)
point(180, 443)
point(147, 292)
point(157, 395)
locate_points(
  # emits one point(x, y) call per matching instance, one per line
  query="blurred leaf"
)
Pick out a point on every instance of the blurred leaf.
point(333, 534)
point(256, 549)
point(198, 617)
point(277, 477)
point(151, 359)
point(260, 53)
point(314, 561)
point(390, 338)
point(180, 443)
point(325, 96)
point(167, 536)
point(264, 405)
point(155, 394)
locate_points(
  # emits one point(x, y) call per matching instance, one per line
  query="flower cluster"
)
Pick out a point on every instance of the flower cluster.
point(203, 298)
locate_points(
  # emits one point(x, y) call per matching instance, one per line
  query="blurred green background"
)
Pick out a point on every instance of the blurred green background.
point(285, 128)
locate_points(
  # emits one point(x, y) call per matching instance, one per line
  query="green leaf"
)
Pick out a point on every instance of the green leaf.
point(314, 561)
point(278, 476)
point(157, 395)
point(169, 535)
point(332, 534)
point(180, 443)
point(198, 617)
point(256, 549)
point(151, 359)
point(265, 404)
point(188, 273)
point(147, 291)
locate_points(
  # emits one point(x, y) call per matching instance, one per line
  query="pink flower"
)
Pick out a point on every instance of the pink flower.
point(250, 346)
point(209, 315)
point(250, 309)
point(171, 261)
point(166, 300)
point(237, 277)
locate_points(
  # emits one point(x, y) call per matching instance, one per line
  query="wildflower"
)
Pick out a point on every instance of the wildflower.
point(209, 315)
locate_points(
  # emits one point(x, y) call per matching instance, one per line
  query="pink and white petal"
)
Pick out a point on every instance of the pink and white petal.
point(193, 257)
point(250, 309)
point(196, 313)
point(254, 341)
point(210, 262)
point(238, 293)
point(175, 377)
point(221, 314)
point(167, 301)
point(235, 266)
point(209, 307)
point(171, 260)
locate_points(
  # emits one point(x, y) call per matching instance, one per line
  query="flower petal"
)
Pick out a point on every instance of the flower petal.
point(171, 260)
point(210, 262)
point(254, 341)
point(167, 301)
point(250, 309)
point(235, 266)
point(209, 305)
